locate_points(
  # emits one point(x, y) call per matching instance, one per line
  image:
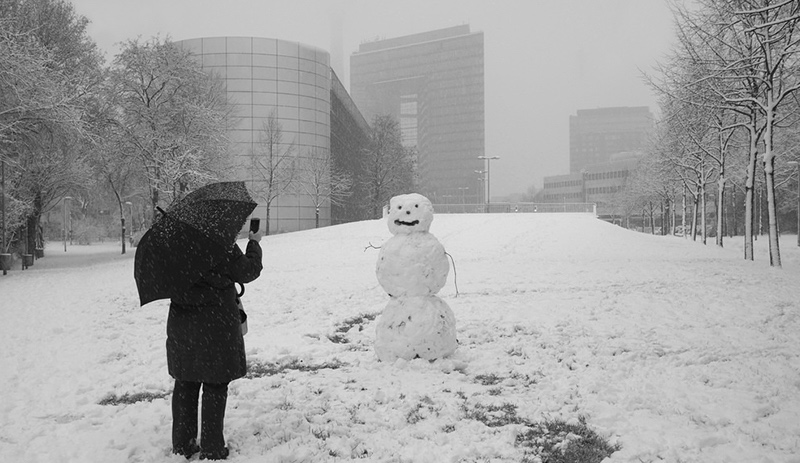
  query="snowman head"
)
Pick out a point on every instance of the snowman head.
point(410, 213)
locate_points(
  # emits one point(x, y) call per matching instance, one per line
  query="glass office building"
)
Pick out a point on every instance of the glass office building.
point(432, 83)
point(292, 84)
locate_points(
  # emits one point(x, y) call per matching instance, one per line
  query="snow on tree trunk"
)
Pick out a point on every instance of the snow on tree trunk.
point(703, 212)
point(769, 175)
point(266, 222)
point(695, 200)
point(683, 214)
point(720, 205)
point(749, 197)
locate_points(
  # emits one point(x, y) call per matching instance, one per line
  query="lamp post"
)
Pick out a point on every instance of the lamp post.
point(65, 221)
point(123, 234)
point(481, 179)
point(130, 207)
point(463, 194)
point(584, 196)
point(3, 206)
point(488, 160)
point(797, 167)
point(5, 260)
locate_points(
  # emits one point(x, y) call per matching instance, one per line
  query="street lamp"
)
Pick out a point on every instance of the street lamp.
point(488, 160)
point(481, 187)
point(130, 207)
point(797, 167)
point(463, 194)
point(3, 207)
point(6, 258)
point(65, 221)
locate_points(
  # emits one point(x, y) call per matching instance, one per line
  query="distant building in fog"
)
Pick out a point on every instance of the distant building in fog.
point(433, 84)
point(294, 82)
point(596, 183)
point(597, 134)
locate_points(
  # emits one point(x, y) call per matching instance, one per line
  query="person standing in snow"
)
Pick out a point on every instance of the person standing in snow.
point(205, 348)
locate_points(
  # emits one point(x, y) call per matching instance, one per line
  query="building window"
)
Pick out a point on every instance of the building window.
point(408, 120)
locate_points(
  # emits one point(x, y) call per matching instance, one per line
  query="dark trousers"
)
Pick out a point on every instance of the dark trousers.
point(184, 415)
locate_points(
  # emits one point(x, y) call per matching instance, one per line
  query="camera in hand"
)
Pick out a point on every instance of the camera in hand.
point(255, 224)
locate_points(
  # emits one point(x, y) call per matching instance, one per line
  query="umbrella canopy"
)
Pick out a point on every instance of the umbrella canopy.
point(193, 236)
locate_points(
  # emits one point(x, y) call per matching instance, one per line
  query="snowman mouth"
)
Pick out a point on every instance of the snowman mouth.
point(407, 224)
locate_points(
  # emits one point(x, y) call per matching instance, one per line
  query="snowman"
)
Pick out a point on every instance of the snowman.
point(412, 267)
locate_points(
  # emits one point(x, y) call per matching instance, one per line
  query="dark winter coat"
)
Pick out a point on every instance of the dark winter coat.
point(204, 339)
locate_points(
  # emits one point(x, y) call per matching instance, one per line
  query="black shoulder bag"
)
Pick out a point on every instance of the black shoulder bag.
point(242, 314)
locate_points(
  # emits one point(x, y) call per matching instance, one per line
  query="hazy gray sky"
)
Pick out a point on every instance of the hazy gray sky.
point(544, 59)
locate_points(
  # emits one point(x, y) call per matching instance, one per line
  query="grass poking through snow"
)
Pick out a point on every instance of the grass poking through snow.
point(126, 399)
point(556, 441)
point(339, 335)
point(258, 369)
point(548, 441)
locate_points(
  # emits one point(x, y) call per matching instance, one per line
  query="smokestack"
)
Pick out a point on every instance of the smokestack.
point(337, 42)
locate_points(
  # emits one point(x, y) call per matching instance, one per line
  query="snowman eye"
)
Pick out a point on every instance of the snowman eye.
point(399, 207)
point(416, 205)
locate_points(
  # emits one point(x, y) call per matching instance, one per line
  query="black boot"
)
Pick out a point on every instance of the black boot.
point(212, 419)
point(216, 455)
point(187, 450)
point(184, 418)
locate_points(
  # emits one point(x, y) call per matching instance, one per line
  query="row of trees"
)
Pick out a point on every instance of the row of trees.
point(147, 128)
point(150, 124)
point(730, 115)
point(48, 72)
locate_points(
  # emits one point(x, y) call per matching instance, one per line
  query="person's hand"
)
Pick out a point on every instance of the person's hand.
point(256, 236)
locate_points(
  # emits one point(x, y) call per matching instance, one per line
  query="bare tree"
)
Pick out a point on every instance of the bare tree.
point(643, 192)
point(29, 96)
point(172, 114)
point(748, 50)
point(49, 71)
point(389, 166)
point(707, 159)
point(30, 93)
point(116, 167)
point(679, 151)
point(273, 164)
point(319, 178)
point(773, 25)
point(48, 64)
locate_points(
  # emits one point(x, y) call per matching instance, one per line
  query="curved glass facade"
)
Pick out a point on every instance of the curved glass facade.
point(289, 82)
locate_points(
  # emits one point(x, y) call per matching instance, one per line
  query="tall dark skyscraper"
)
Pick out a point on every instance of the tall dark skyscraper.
point(597, 134)
point(433, 84)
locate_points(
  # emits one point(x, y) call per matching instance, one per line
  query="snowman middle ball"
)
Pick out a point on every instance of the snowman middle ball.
point(412, 265)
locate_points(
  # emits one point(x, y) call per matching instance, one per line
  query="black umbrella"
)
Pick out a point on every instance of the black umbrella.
point(193, 236)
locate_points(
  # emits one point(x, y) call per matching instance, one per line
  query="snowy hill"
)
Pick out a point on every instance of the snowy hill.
point(673, 350)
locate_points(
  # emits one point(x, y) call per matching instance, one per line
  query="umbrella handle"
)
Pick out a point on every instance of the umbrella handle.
point(239, 293)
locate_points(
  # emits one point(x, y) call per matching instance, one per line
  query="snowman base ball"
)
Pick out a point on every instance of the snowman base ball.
point(415, 327)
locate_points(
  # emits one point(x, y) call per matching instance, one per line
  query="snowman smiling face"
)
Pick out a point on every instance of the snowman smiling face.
point(410, 213)
point(406, 224)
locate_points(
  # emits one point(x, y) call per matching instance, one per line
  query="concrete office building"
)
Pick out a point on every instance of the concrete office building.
point(295, 84)
point(432, 83)
point(605, 145)
point(596, 183)
point(597, 134)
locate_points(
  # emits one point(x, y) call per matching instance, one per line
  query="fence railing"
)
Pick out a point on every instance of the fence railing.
point(493, 208)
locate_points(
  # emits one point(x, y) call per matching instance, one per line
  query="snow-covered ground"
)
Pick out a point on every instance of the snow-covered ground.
point(675, 351)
